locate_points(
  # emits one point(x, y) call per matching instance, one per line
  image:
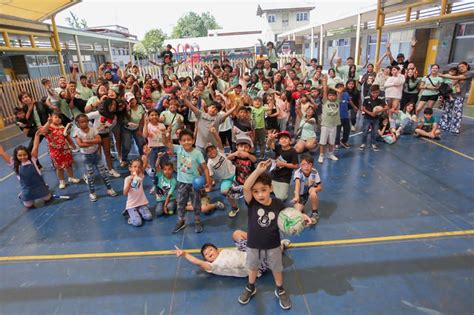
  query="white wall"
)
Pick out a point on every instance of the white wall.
point(279, 26)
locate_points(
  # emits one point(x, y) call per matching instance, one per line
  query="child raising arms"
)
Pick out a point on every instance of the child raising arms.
point(263, 241)
point(24, 164)
point(60, 149)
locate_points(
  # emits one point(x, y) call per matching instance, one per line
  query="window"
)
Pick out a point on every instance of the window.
point(372, 45)
point(400, 42)
point(301, 16)
point(463, 45)
point(271, 18)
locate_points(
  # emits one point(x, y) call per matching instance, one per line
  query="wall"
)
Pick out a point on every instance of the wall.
point(446, 36)
point(278, 27)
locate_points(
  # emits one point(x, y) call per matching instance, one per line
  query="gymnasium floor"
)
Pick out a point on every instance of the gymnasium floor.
point(395, 237)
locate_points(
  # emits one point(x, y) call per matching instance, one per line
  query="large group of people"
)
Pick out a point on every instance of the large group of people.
point(212, 129)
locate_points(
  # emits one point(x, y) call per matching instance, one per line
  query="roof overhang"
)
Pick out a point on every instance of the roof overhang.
point(34, 10)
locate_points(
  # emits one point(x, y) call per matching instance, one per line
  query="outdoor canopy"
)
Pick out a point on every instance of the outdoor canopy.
point(33, 9)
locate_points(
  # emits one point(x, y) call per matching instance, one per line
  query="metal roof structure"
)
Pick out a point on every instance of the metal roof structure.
point(34, 10)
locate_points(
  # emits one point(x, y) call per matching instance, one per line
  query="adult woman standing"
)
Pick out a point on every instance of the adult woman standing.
point(410, 88)
point(394, 88)
point(429, 86)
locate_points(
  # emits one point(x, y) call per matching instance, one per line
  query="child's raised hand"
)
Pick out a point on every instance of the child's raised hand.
point(262, 166)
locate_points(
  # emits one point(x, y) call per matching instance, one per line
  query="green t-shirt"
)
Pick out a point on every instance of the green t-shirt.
point(165, 187)
point(155, 96)
point(307, 129)
point(330, 117)
point(343, 72)
point(188, 163)
point(137, 114)
point(436, 81)
point(333, 81)
point(258, 116)
point(172, 119)
point(85, 93)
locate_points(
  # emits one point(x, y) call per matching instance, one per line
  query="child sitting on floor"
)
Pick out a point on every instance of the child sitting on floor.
point(429, 126)
point(136, 208)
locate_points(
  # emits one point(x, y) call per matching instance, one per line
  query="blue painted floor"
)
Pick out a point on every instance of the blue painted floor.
point(410, 187)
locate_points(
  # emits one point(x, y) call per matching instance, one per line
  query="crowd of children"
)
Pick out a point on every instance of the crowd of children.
point(217, 125)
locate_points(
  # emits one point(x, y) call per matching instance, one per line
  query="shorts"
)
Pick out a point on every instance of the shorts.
point(104, 135)
point(426, 98)
point(226, 184)
point(328, 135)
point(272, 257)
point(280, 190)
point(242, 246)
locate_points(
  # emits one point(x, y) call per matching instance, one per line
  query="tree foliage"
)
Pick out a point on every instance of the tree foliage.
point(153, 40)
point(75, 22)
point(139, 51)
point(194, 25)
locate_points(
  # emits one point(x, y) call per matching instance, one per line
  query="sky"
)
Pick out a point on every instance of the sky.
point(139, 16)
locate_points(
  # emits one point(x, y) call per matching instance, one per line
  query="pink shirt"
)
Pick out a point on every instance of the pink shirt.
point(155, 137)
point(136, 196)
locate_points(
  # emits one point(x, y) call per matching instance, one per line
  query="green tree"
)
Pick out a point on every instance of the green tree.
point(153, 40)
point(139, 51)
point(194, 25)
point(75, 22)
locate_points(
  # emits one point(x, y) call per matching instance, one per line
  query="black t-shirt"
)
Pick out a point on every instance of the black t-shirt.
point(370, 103)
point(283, 174)
point(402, 65)
point(263, 232)
point(29, 124)
point(243, 169)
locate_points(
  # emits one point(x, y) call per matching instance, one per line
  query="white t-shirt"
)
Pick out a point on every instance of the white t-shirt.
point(221, 166)
point(90, 135)
point(101, 123)
point(230, 262)
point(155, 136)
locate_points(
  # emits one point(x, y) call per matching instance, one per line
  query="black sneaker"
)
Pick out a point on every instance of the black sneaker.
point(285, 302)
point(179, 226)
point(314, 217)
point(198, 227)
point(247, 294)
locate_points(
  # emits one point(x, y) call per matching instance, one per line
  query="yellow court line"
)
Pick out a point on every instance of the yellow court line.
point(448, 148)
point(294, 245)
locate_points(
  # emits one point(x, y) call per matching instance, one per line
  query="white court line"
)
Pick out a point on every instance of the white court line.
point(13, 173)
point(356, 134)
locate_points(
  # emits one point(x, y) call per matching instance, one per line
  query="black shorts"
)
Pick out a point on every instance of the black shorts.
point(426, 98)
point(104, 135)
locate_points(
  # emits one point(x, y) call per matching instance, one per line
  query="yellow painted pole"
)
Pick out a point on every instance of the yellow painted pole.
point(32, 41)
point(444, 5)
point(58, 45)
point(378, 26)
point(6, 39)
point(408, 14)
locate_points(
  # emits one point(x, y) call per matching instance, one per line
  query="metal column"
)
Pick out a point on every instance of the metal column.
point(321, 44)
point(57, 45)
point(312, 43)
point(357, 47)
point(110, 50)
point(79, 55)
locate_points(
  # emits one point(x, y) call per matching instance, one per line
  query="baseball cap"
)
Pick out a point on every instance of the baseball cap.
point(284, 134)
point(129, 96)
point(244, 140)
point(209, 145)
point(400, 56)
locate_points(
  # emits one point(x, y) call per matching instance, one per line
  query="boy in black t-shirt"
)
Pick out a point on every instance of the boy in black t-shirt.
point(263, 241)
point(371, 117)
point(286, 160)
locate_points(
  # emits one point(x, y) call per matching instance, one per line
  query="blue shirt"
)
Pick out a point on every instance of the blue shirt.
point(188, 164)
point(344, 106)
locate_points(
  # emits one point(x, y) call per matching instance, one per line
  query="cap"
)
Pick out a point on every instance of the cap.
point(244, 140)
point(284, 134)
point(107, 71)
point(129, 96)
point(400, 56)
point(209, 145)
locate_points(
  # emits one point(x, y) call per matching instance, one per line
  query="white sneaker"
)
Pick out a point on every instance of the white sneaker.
point(84, 177)
point(93, 197)
point(111, 192)
point(362, 147)
point(332, 157)
point(353, 128)
point(73, 180)
point(321, 159)
point(113, 173)
point(62, 184)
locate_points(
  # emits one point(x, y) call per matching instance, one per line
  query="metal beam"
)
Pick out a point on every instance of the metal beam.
point(312, 43)
point(444, 5)
point(26, 49)
point(110, 50)
point(321, 43)
point(378, 27)
point(58, 45)
point(440, 18)
point(79, 55)
point(6, 39)
point(357, 50)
